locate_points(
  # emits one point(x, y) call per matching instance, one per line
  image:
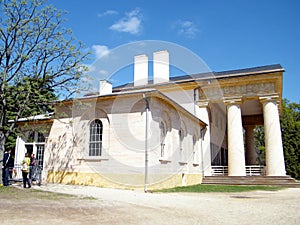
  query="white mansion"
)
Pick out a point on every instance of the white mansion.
point(165, 132)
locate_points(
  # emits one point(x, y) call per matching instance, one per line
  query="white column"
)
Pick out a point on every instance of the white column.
point(251, 155)
point(273, 142)
point(236, 152)
point(202, 113)
point(20, 151)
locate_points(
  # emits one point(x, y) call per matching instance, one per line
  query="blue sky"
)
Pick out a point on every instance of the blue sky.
point(227, 35)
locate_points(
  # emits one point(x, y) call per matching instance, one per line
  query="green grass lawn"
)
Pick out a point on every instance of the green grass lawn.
point(206, 188)
point(199, 188)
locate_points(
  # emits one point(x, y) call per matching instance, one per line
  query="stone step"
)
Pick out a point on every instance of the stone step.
point(285, 181)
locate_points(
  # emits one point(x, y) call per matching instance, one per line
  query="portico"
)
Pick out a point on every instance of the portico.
point(250, 100)
point(241, 154)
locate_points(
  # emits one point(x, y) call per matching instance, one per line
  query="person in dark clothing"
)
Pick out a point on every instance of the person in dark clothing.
point(11, 165)
point(5, 167)
point(32, 166)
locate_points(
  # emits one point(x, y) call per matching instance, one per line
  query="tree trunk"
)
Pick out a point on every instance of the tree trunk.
point(2, 143)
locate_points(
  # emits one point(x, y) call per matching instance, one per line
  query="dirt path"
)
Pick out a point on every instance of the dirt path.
point(110, 206)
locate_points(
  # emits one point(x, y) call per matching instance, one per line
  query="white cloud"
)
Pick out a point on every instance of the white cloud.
point(135, 12)
point(103, 72)
point(108, 13)
point(100, 51)
point(187, 28)
point(130, 23)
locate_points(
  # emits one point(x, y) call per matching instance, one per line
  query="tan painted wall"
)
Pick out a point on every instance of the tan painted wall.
point(123, 160)
point(103, 180)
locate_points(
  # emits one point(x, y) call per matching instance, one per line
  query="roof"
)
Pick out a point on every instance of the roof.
point(144, 92)
point(35, 118)
point(218, 75)
point(251, 71)
point(147, 92)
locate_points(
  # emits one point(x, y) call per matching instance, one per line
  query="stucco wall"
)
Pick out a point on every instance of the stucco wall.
point(123, 158)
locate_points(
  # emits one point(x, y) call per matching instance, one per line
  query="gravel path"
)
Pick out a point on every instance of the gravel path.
point(137, 207)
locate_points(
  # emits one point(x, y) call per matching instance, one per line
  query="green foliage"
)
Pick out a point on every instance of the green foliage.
point(259, 139)
point(290, 127)
point(40, 61)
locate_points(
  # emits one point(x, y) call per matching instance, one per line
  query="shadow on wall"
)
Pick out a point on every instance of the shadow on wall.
point(61, 157)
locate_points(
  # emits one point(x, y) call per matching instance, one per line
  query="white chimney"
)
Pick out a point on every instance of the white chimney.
point(161, 68)
point(105, 87)
point(140, 70)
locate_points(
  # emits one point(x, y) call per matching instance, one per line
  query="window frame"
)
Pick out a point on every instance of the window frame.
point(95, 145)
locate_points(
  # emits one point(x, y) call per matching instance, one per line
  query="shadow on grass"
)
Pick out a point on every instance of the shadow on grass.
point(25, 193)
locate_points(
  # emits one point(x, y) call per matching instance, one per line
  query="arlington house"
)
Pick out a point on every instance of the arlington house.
point(161, 132)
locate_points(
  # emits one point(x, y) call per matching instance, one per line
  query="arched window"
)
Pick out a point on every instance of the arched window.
point(181, 137)
point(194, 148)
point(163, 133)
point(95, 143)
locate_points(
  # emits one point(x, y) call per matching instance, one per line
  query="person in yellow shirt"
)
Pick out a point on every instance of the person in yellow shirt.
point(25, 170)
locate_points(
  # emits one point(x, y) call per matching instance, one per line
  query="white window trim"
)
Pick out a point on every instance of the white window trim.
point(93, 159)
point(99, 157)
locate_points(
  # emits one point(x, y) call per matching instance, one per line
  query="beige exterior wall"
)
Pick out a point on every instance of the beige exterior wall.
point(185, 95)
point(122, 163)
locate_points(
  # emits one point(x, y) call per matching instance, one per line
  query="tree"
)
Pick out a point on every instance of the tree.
point(259, 139)
point(290, 129)
point(39, 61)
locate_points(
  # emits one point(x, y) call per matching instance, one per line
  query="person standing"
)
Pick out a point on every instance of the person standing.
point(5, 167)
point(25, 170)
point(32, 166)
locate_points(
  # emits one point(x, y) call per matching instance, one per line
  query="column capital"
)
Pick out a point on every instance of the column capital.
point(233, 101)
point(269, 98)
